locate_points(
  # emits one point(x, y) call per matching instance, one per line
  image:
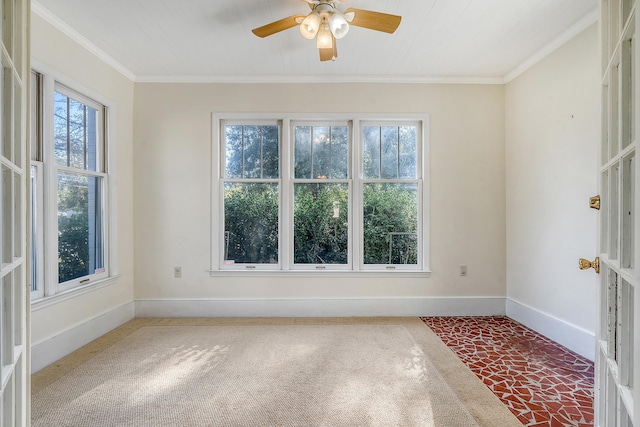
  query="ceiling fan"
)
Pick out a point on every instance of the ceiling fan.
point(326, 23)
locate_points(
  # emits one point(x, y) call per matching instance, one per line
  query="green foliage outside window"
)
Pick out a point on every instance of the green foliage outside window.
point(73, 232)
point(251, 223)
point(321, 227)
point(390, 223)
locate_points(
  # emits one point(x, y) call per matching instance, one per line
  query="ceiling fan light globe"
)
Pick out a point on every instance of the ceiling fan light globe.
point(310, 25)
point(325, 39)
point(338, 25)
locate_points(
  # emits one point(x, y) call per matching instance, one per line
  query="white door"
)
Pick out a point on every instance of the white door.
point(618, 328)
point(14, 348)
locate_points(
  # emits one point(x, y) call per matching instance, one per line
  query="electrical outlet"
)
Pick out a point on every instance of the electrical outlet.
point(463, 270)
point(177, 272)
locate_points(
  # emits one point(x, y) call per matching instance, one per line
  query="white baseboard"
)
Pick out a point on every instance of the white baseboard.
point(576, 339)
point(570, 336)
point(52, 349)
point(321, 307)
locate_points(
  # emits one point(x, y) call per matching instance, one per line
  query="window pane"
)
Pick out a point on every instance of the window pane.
point(17, 214)
point(389, 152)
point(6, 114)
point(321, 152)
point(270, 151)
point(251, 223)
point(339, 152)
point(233, 151)
point(17, 121)
point(408, 152)
point(390, 213)
point(80, 226)
point(75, 128)
point(77, 133)
point(302, 152)
point(60, 126)
point(6, 215)
point(371, 152)
point(91, 131)
point(252, 151)
point(321, 225)
point(34, 117)
point(34, 228)
point(7, 293)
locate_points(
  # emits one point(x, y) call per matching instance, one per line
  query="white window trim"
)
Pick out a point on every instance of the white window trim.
point(286, 267)
point(54, 293)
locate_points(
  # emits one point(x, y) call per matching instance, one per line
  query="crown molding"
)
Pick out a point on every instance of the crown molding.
point(321, 79)
point(584, 23)
point(58, 23)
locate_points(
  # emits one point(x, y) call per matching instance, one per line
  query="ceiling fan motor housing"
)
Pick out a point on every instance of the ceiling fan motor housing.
point(330, 18)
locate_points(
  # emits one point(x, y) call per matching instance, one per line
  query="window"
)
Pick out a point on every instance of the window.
point(69, 187)
point(251, 194)
point(307, 195)
point(36, 210)
point(391, 195)
point(321, 195)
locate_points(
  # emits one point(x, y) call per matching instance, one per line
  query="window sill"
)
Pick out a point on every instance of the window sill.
point(44, 302)
point(321, 273)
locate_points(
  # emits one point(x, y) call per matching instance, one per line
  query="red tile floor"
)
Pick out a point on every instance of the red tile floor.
point(541, 382)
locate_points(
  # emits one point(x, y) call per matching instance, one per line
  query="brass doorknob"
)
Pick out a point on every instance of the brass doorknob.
point(585, 264)
point(594, 202)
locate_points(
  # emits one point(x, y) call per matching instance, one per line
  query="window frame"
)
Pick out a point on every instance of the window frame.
point(36, 223)
point(49, 290)
point(100, 172)
point(286, 266)
point(418, 180)
point(292, 181)
point(224, 180)
point(36, 195)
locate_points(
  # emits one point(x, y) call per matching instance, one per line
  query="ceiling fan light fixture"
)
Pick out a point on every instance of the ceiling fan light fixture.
point(338, 25)
point(326, 23)
point(325, 38)
point(310, 25)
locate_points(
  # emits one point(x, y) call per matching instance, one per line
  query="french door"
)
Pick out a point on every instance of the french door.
point(618, 328)
point(14, 268)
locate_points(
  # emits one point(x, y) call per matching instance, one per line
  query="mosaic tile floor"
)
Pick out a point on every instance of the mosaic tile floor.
point(541, 382)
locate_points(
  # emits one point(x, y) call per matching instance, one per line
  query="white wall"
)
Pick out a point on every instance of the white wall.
point(552, 132)
point(172, 155)
point(53, 52)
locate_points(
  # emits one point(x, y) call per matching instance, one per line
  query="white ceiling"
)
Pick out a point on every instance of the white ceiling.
point(211, 40)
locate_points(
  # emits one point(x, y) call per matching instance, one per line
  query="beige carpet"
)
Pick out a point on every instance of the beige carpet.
point(265, 372)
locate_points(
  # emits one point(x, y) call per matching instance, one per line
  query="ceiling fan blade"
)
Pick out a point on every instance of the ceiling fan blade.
point(277, 26)
point(374, 20)
point(329, 53)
